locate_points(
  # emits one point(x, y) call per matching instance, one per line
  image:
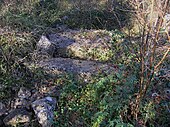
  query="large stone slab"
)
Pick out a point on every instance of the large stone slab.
point(81, 68)
point(83, 44)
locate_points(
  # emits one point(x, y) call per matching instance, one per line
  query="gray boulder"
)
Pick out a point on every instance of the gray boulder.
point(17, 116)
point(24, 93)
point(44, 110)
point(23, 99)
point(44, 45)
point(83, 44)
point(20, 103)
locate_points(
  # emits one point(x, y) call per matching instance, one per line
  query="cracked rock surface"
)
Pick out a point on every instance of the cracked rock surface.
point(81, 68)
point(81, 53)
point(83, 44)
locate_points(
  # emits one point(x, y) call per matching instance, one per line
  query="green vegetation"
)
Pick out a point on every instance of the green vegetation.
point(124, 98)
point(99, 103)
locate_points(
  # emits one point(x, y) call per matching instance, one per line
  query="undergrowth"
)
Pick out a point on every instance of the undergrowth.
point(100, 103)
point(105, 102)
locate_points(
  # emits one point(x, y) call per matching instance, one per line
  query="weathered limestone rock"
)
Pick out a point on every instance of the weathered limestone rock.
point(24, 93)
point(89, 44)
point(23, 99)
point(44, 110)
point(44, 45)
point(82, 68)
point(62, 43)
point(83, 44)
point(21, 103)
point(17, 116)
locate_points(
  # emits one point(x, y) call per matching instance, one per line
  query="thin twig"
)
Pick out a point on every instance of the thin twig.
point(160, 62)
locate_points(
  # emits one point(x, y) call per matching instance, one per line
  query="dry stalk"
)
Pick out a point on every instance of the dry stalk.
point(149, 41)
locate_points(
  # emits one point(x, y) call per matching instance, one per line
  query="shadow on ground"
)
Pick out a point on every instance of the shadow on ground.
point(48, 13)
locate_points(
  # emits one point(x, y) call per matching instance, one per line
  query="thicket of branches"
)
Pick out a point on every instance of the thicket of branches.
point(148, 17)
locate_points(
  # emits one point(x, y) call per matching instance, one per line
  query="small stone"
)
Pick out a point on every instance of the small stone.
point(49, 98)
point(24, 93)
point(17, 116)
point(45, 45)
point(83, 44)
point(44, 109)
point(21, 103)
point(45, 118)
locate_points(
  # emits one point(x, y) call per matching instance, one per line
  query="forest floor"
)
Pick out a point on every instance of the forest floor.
point(64, 67)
